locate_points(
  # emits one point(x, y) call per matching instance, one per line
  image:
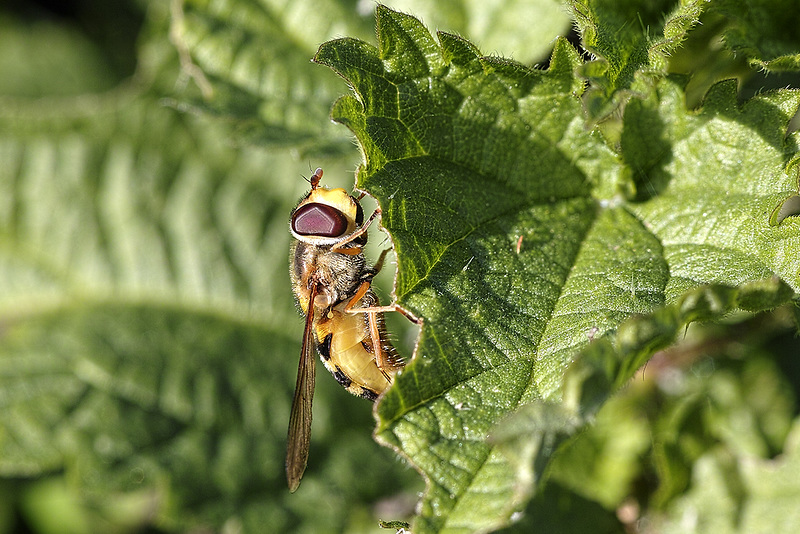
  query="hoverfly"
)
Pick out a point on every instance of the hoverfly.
point(344, 320)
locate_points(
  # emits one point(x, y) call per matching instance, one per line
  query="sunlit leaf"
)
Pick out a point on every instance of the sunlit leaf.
point(553, 228)
point(507, 253)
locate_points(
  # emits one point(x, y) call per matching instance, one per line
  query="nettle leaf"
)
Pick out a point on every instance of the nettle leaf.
point(149, 341)
point(521, 29)
point(766, 32)
point(629, 37)
point(246, 62)
point(710, 190)
point(521, 236)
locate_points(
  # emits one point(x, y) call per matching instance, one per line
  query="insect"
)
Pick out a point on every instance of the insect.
point(344, 320)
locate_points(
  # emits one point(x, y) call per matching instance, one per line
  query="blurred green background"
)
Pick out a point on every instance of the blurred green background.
point(148, 338)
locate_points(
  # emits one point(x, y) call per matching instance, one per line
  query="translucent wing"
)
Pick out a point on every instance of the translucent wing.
point(300, 418)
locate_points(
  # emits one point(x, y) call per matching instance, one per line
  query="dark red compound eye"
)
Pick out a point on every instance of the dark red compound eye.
point(320, 220)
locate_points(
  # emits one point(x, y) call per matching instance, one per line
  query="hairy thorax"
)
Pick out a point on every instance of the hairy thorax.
point(338, 275)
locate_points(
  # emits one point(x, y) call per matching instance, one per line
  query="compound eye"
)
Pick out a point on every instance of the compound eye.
point(320, 220)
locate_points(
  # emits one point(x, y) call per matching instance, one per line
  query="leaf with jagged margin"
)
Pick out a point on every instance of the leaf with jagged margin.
point(766, 32)
point(522, 29)
point(249, 61)
point(474, 160)
point(628, 37)
point(709, 180)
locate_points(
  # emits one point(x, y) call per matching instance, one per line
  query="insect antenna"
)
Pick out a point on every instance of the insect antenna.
point(315, 178)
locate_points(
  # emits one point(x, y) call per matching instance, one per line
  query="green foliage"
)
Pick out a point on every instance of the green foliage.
point(765, 32)
point(554, 228)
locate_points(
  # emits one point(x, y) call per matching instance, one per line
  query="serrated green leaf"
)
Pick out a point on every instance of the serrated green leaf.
point(522, 29)
point(148, 340)
point(712, 188)
point(506, 254)
point(629, 37)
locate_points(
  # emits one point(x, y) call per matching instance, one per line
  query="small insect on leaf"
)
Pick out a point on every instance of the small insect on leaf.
point(344, 320)
point(399, 526)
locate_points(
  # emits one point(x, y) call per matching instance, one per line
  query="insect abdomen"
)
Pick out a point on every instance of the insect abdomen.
point(345, 347)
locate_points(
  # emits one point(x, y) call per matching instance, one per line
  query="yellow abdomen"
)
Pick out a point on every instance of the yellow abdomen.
point(346, 349)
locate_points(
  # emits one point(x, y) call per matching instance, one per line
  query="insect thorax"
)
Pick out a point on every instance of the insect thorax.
point(337, 275)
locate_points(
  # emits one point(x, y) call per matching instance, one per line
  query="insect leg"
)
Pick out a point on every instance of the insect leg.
point(362, 290)
point(374, 332)
point(337, 247)
point(358, 295)
point(379, 265)
point(381, 359)
point(386, 309)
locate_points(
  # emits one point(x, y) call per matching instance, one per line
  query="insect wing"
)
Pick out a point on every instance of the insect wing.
point(300, 418)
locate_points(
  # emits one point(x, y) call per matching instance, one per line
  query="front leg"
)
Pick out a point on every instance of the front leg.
point(339, 245)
